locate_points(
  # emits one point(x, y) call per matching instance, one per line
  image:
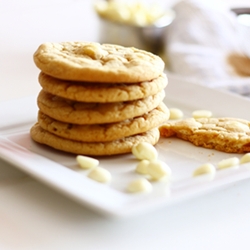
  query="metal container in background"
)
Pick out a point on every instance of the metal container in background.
point(243, 15)
point(151, 38)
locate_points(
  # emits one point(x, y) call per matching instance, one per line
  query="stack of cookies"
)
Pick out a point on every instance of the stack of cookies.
point(98, 99)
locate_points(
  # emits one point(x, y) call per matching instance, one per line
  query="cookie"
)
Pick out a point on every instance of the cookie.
point(94, 62)
point(120, 146)
point(95, 113)
point(99, 92)
point(229, 135)
point(105, 132)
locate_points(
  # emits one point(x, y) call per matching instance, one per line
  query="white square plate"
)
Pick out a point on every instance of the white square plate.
point(60, 170)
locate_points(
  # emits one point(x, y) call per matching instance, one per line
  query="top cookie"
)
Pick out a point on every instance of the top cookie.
point(94, 62)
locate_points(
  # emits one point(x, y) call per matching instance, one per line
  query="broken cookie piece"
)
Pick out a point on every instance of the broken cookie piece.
point(231, 135)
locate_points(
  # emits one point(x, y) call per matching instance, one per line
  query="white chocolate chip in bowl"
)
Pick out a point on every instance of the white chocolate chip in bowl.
point(144, 151)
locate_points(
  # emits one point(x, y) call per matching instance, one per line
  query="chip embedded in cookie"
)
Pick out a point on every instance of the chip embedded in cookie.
point(100, 92)
point(94, 62)
point(231, 135)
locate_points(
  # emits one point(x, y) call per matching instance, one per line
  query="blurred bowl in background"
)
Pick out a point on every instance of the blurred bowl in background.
point(149, 37)
point(243, 15)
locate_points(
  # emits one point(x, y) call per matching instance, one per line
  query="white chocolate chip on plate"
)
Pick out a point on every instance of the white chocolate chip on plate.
point(175, 114)
point(206, 168)
point(139, 185)
point(144, 151)
point(245, 158)
point(142, 167)
point(86, 162)
point(158, 170)
point(202, 113)
point(100, 174)
point(227, 163)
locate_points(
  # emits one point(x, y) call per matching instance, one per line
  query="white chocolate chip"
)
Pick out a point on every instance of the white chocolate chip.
point(129, 12)
point(142, 167)
point(236, 126)
point(158, 170)
point(175, 114)
point(100, 174)
point(206, 168)
point(86, 162)
point(227, 163)
point(192, 123)
point(94, 51)
point(139, 185)
point(144, 151)
point(245, 158)
point(201, 114)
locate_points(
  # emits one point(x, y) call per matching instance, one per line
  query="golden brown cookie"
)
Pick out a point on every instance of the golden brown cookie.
point(95, 113)
point(99, 92)
point(105, 132)
point(120, 146)
point(94, 62)
point(229, 135)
